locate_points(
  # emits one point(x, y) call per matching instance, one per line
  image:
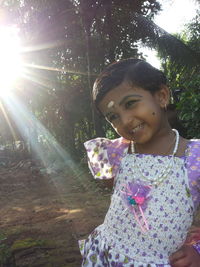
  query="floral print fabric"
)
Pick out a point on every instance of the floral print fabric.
point(119, 238)
point(104, 156)
point(193, 169)
point(166, 211)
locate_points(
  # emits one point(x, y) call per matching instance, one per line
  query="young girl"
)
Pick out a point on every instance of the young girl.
point(155, 173)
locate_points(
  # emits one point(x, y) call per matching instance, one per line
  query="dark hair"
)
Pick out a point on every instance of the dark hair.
point(136, 71)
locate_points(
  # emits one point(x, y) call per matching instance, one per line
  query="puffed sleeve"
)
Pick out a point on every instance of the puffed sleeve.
point(193, 168)
point(104, 156)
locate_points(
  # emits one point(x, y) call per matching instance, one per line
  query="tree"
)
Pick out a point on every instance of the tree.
point(72, 41)
point(78, 38)
point(185, 82)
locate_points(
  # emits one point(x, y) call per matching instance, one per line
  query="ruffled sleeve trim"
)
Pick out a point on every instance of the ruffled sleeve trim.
point(193, 169)
point(104, 156)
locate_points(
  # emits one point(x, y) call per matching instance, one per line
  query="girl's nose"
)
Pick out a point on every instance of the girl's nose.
point(126, 119)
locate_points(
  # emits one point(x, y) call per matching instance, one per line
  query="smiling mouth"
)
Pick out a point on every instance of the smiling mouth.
point(137, 128)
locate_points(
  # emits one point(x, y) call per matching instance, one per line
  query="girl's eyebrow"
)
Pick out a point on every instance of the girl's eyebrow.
point(126, 97)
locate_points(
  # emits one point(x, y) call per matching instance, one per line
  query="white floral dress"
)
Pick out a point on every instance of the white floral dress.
point(120, 241)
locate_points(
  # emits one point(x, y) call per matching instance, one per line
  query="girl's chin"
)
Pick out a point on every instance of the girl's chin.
point(141, 139)
point(139, 136)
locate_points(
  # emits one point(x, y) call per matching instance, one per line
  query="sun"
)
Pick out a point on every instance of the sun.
point(10, 59)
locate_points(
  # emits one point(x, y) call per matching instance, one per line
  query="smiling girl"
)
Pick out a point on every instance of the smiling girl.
point(155, 173)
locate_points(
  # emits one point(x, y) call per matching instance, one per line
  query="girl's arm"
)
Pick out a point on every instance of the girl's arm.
point(186, 256)
point(189, 254)
point(108, 183)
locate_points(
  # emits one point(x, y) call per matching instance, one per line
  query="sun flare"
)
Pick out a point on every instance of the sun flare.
point(10, 60)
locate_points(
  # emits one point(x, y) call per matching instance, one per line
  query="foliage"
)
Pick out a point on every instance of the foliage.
point(4, 251)
point(189, 106)
point(67, 43)
point(172, 47)
point(185, 82)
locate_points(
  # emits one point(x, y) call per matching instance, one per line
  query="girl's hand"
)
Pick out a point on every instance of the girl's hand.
point(186, 256)
point(193, 235)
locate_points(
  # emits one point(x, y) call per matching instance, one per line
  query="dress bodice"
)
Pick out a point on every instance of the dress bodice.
point(169, 210)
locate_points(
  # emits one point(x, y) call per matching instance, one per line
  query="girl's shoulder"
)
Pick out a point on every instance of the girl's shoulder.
point(193, 169)
point(103, 142)
point(194, 141)
point(193, 148)
point(193, 155)
point(104, 156)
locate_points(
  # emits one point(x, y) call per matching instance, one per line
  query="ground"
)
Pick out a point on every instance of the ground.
point(42, 216)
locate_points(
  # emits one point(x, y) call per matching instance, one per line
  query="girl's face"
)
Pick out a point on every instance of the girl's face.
point(135, 113)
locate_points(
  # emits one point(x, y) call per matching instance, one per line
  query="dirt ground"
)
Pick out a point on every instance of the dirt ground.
point(42, 217)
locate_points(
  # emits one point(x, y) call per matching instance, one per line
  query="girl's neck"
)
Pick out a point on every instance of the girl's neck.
point(162, 144)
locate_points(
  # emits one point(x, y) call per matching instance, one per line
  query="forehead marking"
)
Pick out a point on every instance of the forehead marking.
point(110, 104)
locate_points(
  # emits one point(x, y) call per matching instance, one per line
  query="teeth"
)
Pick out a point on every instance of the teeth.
point(137, 128)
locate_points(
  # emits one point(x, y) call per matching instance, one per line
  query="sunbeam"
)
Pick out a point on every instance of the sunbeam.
point(44, 46)
point(8, 121)
point(10, 63)
point(40, 141)
point(56, 69)
point(37, 79)
point(30, 128)
point(43, 145)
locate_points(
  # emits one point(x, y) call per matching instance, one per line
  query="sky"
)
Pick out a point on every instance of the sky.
point(174, 14)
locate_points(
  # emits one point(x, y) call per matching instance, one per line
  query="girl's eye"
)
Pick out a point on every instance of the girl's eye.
point(112, 117)
point(130, 103)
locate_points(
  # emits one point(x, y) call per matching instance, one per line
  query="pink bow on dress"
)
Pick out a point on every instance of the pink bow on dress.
point(135, 197)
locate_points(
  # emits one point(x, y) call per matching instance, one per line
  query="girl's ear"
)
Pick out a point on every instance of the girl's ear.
point(163, 96)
